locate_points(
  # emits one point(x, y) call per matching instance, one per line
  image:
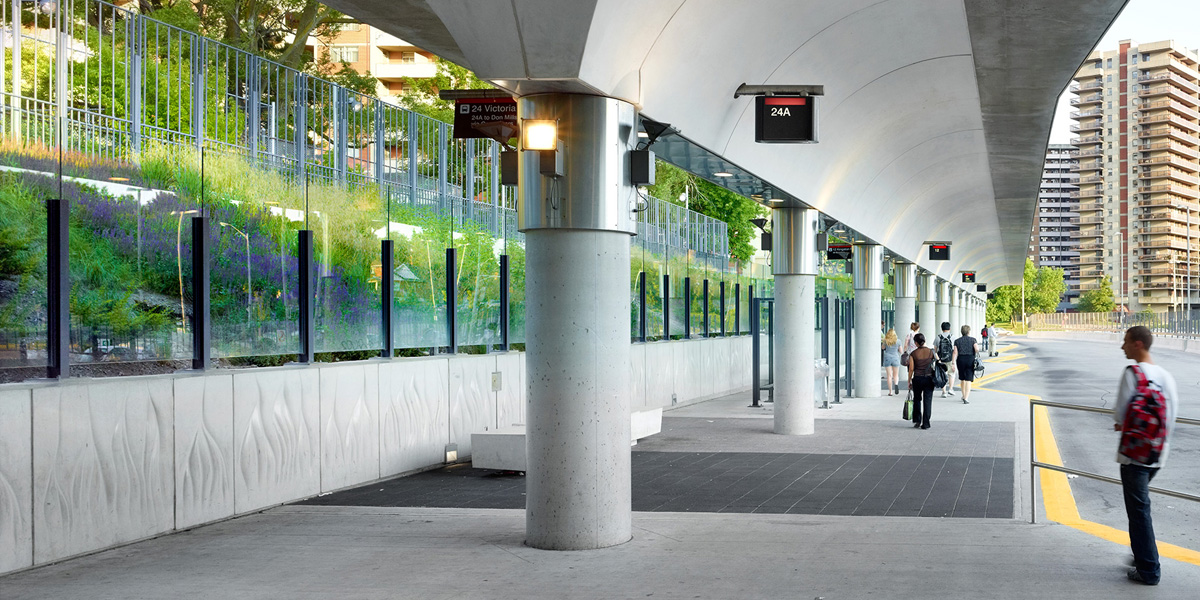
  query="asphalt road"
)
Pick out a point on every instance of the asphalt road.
point(1086, 373)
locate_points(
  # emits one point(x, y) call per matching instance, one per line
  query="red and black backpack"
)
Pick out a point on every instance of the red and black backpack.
point(1144, 431)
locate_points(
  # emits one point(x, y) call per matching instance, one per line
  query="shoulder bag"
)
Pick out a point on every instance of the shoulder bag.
point(940, 376)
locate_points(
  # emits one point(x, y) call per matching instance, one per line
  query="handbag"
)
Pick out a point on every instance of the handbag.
point(940, 376)
point(907, 413)
point(978, 366)
point(904, 360)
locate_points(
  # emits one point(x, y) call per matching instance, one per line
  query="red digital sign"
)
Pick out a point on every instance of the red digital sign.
point(939, 252)
point(785, 119)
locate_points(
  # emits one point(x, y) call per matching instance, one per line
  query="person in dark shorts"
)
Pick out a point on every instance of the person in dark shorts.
point(965, 350)
point(920, 381)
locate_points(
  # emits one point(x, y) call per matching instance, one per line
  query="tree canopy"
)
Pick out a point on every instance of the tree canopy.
point(1098, 300)
point(422, 95)
point(712, 200)
point(1044, 287)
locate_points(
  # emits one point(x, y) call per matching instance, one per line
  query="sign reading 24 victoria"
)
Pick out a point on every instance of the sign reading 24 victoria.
point(494, 118)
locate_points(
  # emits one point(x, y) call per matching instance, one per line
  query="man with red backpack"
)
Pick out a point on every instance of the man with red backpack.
point(1145, 416)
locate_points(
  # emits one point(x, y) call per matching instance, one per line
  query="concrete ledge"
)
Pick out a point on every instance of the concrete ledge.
point(504, 448)
point(1181, 344)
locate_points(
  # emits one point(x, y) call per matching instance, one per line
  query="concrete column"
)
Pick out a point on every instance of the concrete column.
point(955, 310)
point(926, 305)
point(868, 309)
point(577, 233)
point(943, 309)
point(794, 259)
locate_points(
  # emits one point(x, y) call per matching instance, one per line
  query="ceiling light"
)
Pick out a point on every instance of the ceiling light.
point(643, 134)
point(539, 134)
point(722, 174)
point(775, 200)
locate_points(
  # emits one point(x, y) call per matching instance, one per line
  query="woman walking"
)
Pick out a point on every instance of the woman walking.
point(920, 381)
point(891, 359)
point(965, 350)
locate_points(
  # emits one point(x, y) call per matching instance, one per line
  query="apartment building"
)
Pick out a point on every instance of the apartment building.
point(388, 58)
point(1138, 127)
point(1053, 241)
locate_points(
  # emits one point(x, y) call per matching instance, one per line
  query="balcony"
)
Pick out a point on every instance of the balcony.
point(1170, 119)
point(1090, 85)
point(1086, 100)
point(1089, 207)
point(392, 71)
point(1170, 132)
point(1175, 80)
point(1171, 91)
point(1174, 174)
point(1090, 153)
point(1093, 125)
point(1083, 141)
point(1088, 234)
point(1177, 190)
point(1173, 147)
point(1083, 114)
point(1091, 165)
point(1177, 107)
point(1163, 215)
point(1171, 160)
point(1095, 192)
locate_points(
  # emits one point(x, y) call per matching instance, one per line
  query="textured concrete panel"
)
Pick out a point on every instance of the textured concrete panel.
point(660, 373)
point(414, 405)
point(276, 416)
point(203, 449)
point(16, 480)
point(686, 365)
point(710, 361)
point(510, 400)
point(102, 461)
point(349, 424)
point(637, 376)
point(472, 402)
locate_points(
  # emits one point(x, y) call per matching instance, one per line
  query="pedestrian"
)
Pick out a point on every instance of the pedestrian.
point(23, 349)
point(965, 351)
point(983, 338)
point(944, 346)
point(993, 341)
point(891, 359)
point(1140, 381)
point(920, 381)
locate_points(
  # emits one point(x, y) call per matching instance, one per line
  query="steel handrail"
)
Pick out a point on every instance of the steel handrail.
point(1034, 464)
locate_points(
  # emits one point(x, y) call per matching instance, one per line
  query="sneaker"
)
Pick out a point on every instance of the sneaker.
point(951, 392)
point(943, 393)
point(1134, 575)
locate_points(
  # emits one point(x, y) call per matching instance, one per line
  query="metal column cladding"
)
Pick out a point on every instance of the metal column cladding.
point(906, 280)
point(597, 135)
point(868, 266)
point(926, 291)
point(794, 241)
point(943, 291)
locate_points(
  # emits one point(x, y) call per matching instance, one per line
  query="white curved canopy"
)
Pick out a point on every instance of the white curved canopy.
point(933, 125)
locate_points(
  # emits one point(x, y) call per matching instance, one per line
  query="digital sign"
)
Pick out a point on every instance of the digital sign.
point(939, 252)
point(785, 119)
point(968, 276)
point(839, 252)
point(981, 288)
point(494, 118)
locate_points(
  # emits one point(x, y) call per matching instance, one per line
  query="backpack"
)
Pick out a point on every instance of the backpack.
point(1144, 431)
point(945, 348)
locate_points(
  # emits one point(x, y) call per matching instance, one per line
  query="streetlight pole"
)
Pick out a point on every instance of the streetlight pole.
point(248, 290)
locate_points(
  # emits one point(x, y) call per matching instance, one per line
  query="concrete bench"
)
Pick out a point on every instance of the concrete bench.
point(504, 448)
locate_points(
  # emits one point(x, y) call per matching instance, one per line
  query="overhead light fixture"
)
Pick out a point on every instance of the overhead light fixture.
point(722, 174)
point(643, 134)
point(759, 196)
point(539, 134)
point(775, 200)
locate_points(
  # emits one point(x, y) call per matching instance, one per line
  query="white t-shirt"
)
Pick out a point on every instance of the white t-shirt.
point(1157, 376)
point(909, 343)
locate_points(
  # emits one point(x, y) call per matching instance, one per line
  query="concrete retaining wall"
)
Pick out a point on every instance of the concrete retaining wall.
point(1161, 342)
point(88, 464)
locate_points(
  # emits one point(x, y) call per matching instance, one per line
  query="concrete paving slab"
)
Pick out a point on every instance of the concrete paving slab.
point(345, 552)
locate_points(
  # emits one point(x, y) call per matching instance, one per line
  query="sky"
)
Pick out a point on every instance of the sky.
point(1141, 21)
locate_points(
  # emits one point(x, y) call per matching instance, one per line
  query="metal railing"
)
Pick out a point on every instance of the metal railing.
point(1176, 324)
point(1035, 464)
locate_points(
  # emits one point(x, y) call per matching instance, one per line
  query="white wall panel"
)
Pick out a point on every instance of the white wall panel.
point(16, 480)
point(637, 376)
point(472, 402)
point(276, 416)
point(510, 400)
point(102, 460)
point(203, 449)
point(710, 366)
point(349, 424)
point(660, 373)
point(415, 414)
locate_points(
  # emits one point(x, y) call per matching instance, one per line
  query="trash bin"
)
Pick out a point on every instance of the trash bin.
point(821, 382)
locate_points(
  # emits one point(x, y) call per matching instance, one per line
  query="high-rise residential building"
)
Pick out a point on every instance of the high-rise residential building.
point(1139, 174)
point(1053, 241)
point(367, 49)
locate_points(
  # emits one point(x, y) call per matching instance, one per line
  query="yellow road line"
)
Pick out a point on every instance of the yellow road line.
point(1060, 502)
point(1013, 370)
point(1005, 358)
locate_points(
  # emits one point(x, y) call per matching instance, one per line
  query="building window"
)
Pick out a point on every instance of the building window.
point(408, 57)
point(1135, 57)
point(1110, 76)
point(343, 54)
point(1145, 57)
point(1110, 65)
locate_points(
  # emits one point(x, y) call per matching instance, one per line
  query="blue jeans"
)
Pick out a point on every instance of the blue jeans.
point(1135, 481)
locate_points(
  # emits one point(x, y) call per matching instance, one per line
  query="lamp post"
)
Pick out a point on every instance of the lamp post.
point(179, 260)
point(248, 290)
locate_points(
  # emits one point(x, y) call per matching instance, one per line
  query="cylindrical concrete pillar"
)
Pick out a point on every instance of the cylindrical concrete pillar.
point(794, 260)
point(926, 305)
point(577, 222)
point(943, 309)
point(868, 310)
point(955, 309)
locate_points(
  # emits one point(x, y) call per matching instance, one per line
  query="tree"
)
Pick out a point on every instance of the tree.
point(712, 200)
point(1044, 287)
point(422, 96)
point(1098, 300)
